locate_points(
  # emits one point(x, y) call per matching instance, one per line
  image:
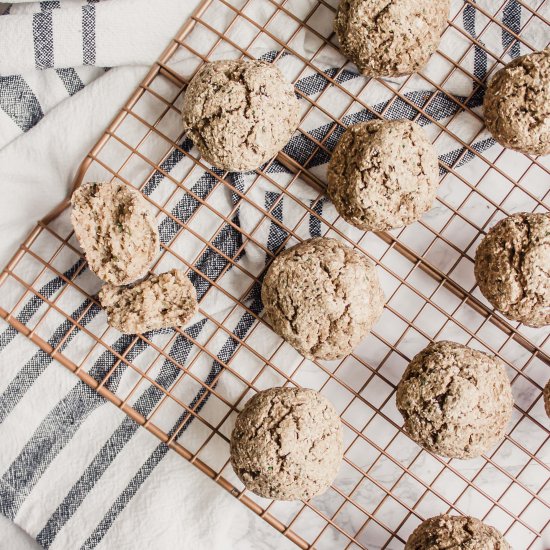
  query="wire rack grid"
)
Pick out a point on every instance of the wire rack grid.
point(225, 229)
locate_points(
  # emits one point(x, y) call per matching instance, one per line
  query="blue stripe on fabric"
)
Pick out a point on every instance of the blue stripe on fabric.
point(511, 18)
point(88, 35)
point(26, 377)
point(71, 80)
point(42, 33)
point(50, 5)
point(59, 426)
point(19, 102)
point(169, 373)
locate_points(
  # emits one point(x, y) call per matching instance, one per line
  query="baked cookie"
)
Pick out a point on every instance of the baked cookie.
point(239, 114)
point(383, 174)
point(517, 104)
point(456, 401)
point(161, 301)
point(455, 533)
point(390, 37)
point(322, 297)
point(116, 230)
point(512, 265)
point(546, 397)
point(287, 444)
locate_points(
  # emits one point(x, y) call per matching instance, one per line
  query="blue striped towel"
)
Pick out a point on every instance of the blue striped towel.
point(74, 472)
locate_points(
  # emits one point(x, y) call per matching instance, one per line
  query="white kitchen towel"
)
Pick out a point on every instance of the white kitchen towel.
point(74, 472)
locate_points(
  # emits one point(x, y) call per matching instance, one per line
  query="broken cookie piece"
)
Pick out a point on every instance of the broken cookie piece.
point(162, 301)
point(116, 230)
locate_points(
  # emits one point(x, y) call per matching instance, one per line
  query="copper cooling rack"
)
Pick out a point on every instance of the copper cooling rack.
point(387, 484)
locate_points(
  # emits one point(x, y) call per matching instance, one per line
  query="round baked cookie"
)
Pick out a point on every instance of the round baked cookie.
point(322, 297)
point(287, 444)
point(240, 113)
point(456, 401)
point(116, 230)
point(383, 174)
point(455, 533)
point(512, 265)
point(390, 38)
point(517, 104)
point(546, 397)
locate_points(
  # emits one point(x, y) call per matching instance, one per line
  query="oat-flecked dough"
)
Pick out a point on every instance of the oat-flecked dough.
point(546, 397)
point(390, 37)
point(287, 444)
point(512, 268)
point(116, 230)
point(455, 533)
point(517, 104)
point(322, 297)
point(383, 174)
point(161, 301)
point(456, 401)
point(239, 114)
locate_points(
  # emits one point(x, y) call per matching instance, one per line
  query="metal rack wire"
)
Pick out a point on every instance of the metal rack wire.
point(387, 484)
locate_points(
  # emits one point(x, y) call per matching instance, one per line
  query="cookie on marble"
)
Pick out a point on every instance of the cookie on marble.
point(456, 401)
point(116, 230)
point(455, 533)
point(161, 301)
point(517, 104)
point(322, 297)
point(240, 113)
point(512, 267)
point(383, 174)
point(390, 38)
point(287, 444)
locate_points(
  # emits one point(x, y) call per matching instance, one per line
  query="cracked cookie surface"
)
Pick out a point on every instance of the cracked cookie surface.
point(456, 401)
point(517, 104)
point(116, 230)
point(390, 37)
point(455, 533)
point(240, 113)
point(383, 174)
point(512, 268)
point(287, 444)
point(322, 297)
point(161, 301)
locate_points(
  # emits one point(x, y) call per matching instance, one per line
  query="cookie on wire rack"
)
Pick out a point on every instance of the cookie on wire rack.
point(390, 38)
point(116, 230)
point(240, 113)
point(455, 533)
point(161, 301)
point(456, 401)
point(287, 444)
point(517, 104)
point(322, 297)
point(383, 174)
point(512, 267)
